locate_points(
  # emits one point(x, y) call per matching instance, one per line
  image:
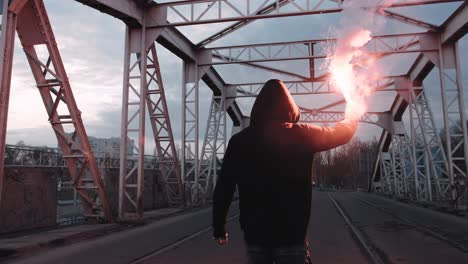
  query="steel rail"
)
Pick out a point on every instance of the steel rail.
point(371, 252)
point(178, 243)
point(418, 226)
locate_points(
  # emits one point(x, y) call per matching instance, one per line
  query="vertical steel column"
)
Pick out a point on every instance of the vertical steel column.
point(414, 155)
point(311, 61)
point(455, 129)
point(133, 125)
point(190, 128)
point(53, 84)
point(182, 154)
point(124, 125)
point(142, 116)
point(190, 168)
point(7, 43)
point(162, 130)
point(462, 109)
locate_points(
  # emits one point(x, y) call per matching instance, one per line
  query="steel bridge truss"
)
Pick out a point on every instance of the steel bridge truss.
point(428, 154)
point(438, 161)
point(34, 30)
point(181, 13)
point(378, 46)
point(162, 130)
point(417, 165)
point(144, 90)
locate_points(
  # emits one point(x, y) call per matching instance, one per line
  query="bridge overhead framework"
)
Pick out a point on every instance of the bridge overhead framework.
point(414, 160)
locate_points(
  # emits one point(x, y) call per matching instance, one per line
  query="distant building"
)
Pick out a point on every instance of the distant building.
point(109, 147)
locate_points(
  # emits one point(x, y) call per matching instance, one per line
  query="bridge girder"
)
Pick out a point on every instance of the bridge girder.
point(454, 28)
point(154, 17)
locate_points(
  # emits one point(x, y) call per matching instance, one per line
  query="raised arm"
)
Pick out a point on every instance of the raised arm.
point(224, 191)
point(324, 138)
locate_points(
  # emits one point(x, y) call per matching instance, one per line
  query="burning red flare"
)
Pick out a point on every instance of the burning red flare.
point(352, 73)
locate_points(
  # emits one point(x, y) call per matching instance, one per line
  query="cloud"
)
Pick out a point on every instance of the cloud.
point(92, 53)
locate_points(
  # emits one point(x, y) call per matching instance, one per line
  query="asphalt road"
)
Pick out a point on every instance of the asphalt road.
point(393, 232)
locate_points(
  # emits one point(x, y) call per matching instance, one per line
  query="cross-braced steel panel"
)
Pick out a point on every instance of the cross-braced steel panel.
point(213, 147)
point(162, 130)
point(34, 30)
point(431, 164)
point(133, 124)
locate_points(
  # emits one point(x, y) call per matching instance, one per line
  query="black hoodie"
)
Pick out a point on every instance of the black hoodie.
point(271, 163)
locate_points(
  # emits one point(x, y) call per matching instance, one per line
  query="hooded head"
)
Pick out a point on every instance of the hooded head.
point(274, 105)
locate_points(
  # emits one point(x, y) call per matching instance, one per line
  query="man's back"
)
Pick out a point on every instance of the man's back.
point(274, 183)
point(271, 163)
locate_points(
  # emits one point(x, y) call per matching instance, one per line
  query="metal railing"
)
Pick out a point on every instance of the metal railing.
point(44, 157)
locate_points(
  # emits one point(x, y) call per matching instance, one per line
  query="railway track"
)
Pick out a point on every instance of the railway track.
point(383, 233)
point(178, 243)
point(372, 254)
point(378, 255)
point(417, 225)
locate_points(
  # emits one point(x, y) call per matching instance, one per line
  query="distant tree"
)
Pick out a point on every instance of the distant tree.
point(341, 167)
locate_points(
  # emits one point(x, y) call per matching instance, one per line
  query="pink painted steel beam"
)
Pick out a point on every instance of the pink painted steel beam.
point(7, 45)
point(34, 29)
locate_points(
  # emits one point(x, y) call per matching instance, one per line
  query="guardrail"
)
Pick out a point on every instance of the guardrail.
point(43, 157)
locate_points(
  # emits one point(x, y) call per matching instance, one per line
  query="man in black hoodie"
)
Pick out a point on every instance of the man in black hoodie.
point(271, 164)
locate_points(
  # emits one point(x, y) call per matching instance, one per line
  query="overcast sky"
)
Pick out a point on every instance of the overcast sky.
point(92, 45)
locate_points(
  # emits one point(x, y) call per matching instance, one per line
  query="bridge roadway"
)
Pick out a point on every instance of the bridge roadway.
point(346, 227)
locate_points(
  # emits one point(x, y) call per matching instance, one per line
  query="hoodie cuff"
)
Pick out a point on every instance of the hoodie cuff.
point(219, 232)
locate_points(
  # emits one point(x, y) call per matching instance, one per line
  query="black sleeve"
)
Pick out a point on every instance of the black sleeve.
point(224, 190)
point(319, 138)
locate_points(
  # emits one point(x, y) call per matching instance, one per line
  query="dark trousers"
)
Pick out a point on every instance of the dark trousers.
point(294, 254)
